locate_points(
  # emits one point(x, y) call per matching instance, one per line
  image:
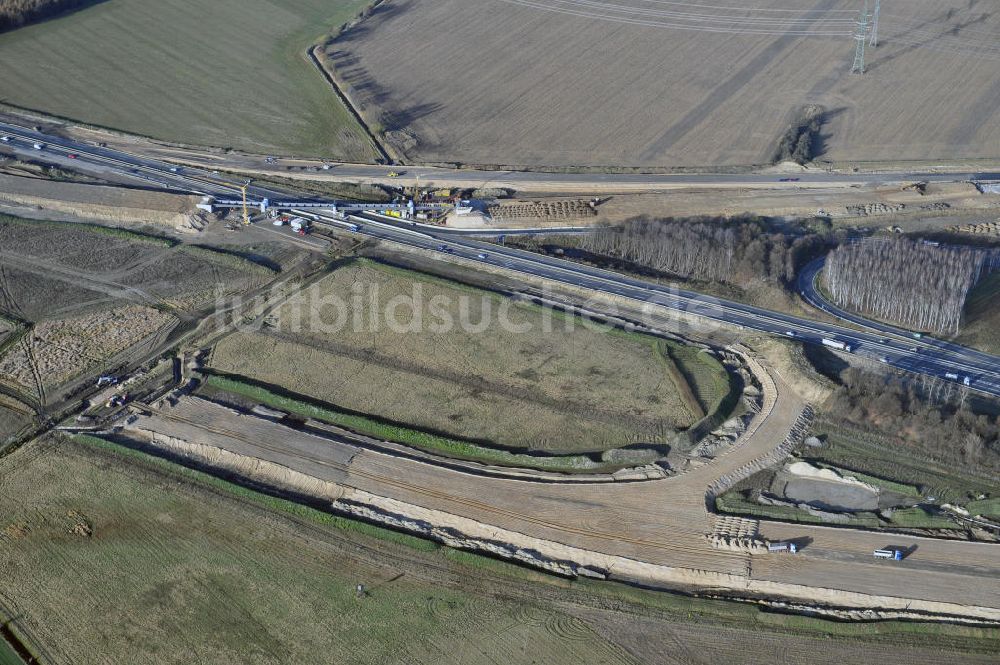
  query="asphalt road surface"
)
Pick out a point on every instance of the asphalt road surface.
point(884, 344)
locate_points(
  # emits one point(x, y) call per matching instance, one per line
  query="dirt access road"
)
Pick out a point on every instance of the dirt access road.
point(663, 523)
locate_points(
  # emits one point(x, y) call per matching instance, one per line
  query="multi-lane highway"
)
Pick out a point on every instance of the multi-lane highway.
point(204, 181)
point(878, 342)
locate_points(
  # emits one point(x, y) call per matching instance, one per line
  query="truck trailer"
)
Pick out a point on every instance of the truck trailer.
point(834, 344)
point(777, 547)
point(891, 554)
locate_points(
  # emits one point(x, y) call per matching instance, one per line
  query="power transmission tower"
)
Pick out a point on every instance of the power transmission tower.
point(873, 42)
point(860, 37)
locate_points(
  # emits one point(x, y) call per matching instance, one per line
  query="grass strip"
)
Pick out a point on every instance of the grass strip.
point(984, 507)
point(368, 426)
point(918, 518)
point(228, 259)
point(734, 504)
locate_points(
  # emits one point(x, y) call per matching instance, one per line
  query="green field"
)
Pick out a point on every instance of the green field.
point(232, 73)
point(529, 379)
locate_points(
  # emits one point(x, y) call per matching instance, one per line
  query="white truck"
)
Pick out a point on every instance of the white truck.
point(951, 376)
point(782, 546)
point(834, 344)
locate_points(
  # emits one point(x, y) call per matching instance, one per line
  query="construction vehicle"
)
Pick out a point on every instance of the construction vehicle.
point(834, 344)
point(891, 554)
point(246, 213)
point(118, 399)
point(782, 546)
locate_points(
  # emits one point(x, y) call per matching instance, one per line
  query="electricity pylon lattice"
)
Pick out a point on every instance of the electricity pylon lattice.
point(873, 42)
point(860, 37)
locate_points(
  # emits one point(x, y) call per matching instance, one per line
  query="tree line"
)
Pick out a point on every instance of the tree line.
point(934, 415)
point(916, 284)
point(733, 251)
point(16, 13)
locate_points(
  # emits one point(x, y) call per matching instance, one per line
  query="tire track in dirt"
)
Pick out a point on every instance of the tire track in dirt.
point(351, 469)
point(28, 345)
point(7, 301)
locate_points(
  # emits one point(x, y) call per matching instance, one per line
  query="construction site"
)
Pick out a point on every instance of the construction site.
point(458, 374)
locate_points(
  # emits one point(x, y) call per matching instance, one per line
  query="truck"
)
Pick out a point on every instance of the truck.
point(106, 380)
point(781, 546)
point(952, 376)
point(299, 225)
point(834, 344)
point(889, 553)
point(354, 228)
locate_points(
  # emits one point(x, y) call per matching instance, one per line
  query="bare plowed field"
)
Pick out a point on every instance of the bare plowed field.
point(495, 375)
point(574, 82)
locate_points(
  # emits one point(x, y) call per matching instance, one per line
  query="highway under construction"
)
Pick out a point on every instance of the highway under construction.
point(652, 531)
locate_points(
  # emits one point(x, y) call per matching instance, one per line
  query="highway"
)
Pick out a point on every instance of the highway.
point(203, 181)
point(877, 342)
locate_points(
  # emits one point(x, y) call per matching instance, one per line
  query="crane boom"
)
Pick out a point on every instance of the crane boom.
point(246, 213)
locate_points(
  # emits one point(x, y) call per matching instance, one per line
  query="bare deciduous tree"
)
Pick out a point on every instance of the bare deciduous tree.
point(15, 13)
point(734, 251)
point(920, 285)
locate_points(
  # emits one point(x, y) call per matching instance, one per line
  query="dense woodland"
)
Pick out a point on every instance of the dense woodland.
point(15, 13)
point(919, 285)
point(931, 415)
point(733, 251)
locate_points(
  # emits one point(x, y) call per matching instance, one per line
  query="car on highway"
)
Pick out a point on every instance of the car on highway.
point(38, 146)
point(790, 333)
point(444, 248)
point(788, 180)
point(72, 155)
point(174, 169)
point(482, 256)
point(5, 139)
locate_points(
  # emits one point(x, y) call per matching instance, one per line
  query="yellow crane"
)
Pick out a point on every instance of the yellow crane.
point(246, 213)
